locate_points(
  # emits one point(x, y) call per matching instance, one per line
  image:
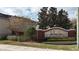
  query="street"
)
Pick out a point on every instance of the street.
point(5, 47)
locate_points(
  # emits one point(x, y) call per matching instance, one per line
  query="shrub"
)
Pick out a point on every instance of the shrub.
point(30, 33)
point(14, 38)
point(61, 39)
point(21, 38)
point(3, 37)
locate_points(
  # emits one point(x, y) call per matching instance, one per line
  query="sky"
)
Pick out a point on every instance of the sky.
point(32, 12)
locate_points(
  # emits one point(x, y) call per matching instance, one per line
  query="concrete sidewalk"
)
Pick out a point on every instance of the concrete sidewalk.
point(62, 43)
point(5, 47)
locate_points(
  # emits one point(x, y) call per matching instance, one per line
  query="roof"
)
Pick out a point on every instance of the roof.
point(21, 23)
point(4, 15)
point(7, 16)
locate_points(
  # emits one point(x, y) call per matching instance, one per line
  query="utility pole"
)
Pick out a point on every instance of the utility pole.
point(37, 28)
point(78, 29)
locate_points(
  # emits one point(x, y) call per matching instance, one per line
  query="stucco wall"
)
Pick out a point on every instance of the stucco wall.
point(4, 27)
point(56, 33)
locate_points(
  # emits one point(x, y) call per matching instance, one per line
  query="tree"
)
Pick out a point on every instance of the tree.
point(30, 33)
point(74, 23)
point(42, 17)
point(63, 20)
point(52, 16)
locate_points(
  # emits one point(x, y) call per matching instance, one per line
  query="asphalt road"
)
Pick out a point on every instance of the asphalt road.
point(5, 47)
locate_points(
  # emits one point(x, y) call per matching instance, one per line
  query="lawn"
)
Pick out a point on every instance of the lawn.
point(41, 45)
point(60, 39)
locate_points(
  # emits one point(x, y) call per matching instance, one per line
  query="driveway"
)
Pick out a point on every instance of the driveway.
point(5, 47)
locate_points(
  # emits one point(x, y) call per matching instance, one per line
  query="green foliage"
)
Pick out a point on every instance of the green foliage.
point(21, 38)
point(61, 39)
point(3, 37)
point(63, 20)
point(30, 33)
point(42, 45)
point(50, 17)
point(42, 17)
point(75, 26)
point(12, 38)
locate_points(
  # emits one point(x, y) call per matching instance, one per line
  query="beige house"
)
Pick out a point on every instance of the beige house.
point(10, 23)
point(4, 25)
point(20, 23)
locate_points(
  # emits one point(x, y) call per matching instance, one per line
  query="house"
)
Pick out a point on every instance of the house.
point(4, 25)
point(20, 24)
point(14, 24)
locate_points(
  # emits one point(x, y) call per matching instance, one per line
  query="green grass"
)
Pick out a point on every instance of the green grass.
point(41, 45)
point(61, 39)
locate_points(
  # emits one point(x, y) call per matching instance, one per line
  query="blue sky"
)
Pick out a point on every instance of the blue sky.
point(31, 12)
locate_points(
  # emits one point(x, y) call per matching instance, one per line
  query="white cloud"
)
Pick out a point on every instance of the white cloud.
point(72, 11)
point(9, 11)
point(32, 12)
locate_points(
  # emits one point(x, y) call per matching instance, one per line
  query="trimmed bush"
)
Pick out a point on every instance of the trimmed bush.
point(3, 37)
point(61, 39)
point(14, 38)
point(30, 34)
